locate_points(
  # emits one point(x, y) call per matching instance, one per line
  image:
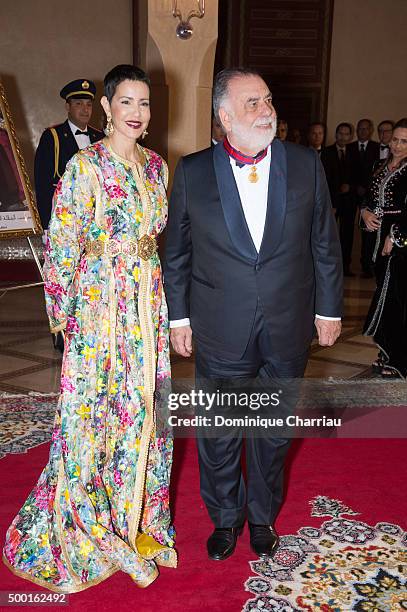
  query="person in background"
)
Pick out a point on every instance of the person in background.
point(386, 217)
point(59, 143)
point(385, 132)
point(316, 136)
point(294, 135)
point(335, 160)
point(282, 129)
point(56, 147)
point(217, 132)
point(363, 153)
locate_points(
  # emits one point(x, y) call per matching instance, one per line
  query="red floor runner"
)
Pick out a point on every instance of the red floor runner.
point(17, 271)
point(368, 475)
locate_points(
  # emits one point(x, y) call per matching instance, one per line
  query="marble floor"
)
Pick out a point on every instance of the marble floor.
point(28, 361)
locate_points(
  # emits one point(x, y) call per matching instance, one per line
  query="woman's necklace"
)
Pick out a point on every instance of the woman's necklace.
point(121, 158)
point(394, 166)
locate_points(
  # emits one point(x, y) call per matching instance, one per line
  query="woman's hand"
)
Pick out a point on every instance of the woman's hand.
point(372, 222)
point(388, 246)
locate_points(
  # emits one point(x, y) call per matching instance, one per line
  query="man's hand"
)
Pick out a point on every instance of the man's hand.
point(181, 340)
point(344, 188)
point(328, 331)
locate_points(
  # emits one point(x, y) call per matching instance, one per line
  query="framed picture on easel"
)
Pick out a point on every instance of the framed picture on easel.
point(18, 211)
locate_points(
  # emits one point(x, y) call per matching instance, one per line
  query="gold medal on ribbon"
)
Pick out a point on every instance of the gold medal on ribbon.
point(253, 176)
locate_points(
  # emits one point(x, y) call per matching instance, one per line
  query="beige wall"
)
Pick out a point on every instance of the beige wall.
point(44, 44)
point(182, 76)
point(368, 62)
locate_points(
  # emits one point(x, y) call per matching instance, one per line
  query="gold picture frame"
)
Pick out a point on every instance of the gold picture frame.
point(18, 211)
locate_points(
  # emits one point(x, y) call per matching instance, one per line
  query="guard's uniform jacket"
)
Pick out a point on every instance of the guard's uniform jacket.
point(56, 147)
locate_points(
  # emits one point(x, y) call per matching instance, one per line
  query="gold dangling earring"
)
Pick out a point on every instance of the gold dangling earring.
point(144, 134)
point(109, 129)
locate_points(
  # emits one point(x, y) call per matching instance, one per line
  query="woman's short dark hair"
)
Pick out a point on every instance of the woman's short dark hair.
point(401, 123)
point(120, 73)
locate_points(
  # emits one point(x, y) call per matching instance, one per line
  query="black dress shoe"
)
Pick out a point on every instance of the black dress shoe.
point(263, 540)
point(222, 543)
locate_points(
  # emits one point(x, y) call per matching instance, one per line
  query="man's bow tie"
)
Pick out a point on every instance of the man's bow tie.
point(383, 147)
point(79, 133)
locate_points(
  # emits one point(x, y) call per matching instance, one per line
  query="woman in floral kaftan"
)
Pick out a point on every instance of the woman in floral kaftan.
point(101, 504)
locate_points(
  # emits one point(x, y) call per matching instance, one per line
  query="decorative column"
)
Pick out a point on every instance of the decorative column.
point(181, 72)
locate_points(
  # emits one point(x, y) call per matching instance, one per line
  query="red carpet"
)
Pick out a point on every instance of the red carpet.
point(17, 271)
point(368, 475)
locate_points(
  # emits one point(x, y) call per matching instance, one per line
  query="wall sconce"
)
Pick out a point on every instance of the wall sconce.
point(184, 29)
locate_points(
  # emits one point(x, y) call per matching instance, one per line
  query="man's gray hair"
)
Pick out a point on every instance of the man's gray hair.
point(221, 86)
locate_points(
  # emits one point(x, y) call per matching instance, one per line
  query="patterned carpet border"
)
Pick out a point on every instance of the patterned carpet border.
point(25, 421)
point(343, 565)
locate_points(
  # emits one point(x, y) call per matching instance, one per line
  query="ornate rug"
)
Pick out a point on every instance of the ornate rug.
point(25, 421)
point(343, 565)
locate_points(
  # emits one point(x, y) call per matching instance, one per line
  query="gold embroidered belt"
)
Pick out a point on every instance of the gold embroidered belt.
point(145, 247)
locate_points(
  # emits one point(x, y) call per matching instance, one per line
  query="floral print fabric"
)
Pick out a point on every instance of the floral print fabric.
point(101, 504)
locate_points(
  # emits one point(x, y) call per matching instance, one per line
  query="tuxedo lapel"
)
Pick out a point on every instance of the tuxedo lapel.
point(94, 136)
point(231, 204)
point(276, 201)
point(70, 145)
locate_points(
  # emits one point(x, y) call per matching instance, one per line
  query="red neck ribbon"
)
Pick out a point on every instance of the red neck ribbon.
point(241, 158)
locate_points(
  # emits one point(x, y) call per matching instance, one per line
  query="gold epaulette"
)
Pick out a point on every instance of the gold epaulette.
point(95, 128)
point(56, 152)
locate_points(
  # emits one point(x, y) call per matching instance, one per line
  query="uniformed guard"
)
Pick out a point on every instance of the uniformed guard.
point(59, 143)
point(56, 147)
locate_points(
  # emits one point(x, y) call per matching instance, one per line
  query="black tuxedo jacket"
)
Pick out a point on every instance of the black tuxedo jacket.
point(362, 165)
point(213, 273)
point(49, 166)
point(337, 172)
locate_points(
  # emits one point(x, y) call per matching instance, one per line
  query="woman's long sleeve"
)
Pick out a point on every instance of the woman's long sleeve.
point(73, 205)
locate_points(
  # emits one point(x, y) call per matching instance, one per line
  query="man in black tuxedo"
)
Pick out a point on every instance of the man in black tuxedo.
point(316, 136)
point(217, 134)
point(363, 153)
point(282, 129)
point(59, 143)
point(252, 262)
point(385, 132)
point(335, 160)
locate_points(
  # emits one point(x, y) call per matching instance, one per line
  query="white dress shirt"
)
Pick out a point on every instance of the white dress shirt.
point(253, 197)
point(81, 140)
point(384, 153)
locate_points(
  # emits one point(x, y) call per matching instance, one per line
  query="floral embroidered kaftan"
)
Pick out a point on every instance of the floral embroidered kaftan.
point(101, 503)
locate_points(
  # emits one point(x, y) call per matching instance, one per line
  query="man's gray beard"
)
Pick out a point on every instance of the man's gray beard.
point(247, 141)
